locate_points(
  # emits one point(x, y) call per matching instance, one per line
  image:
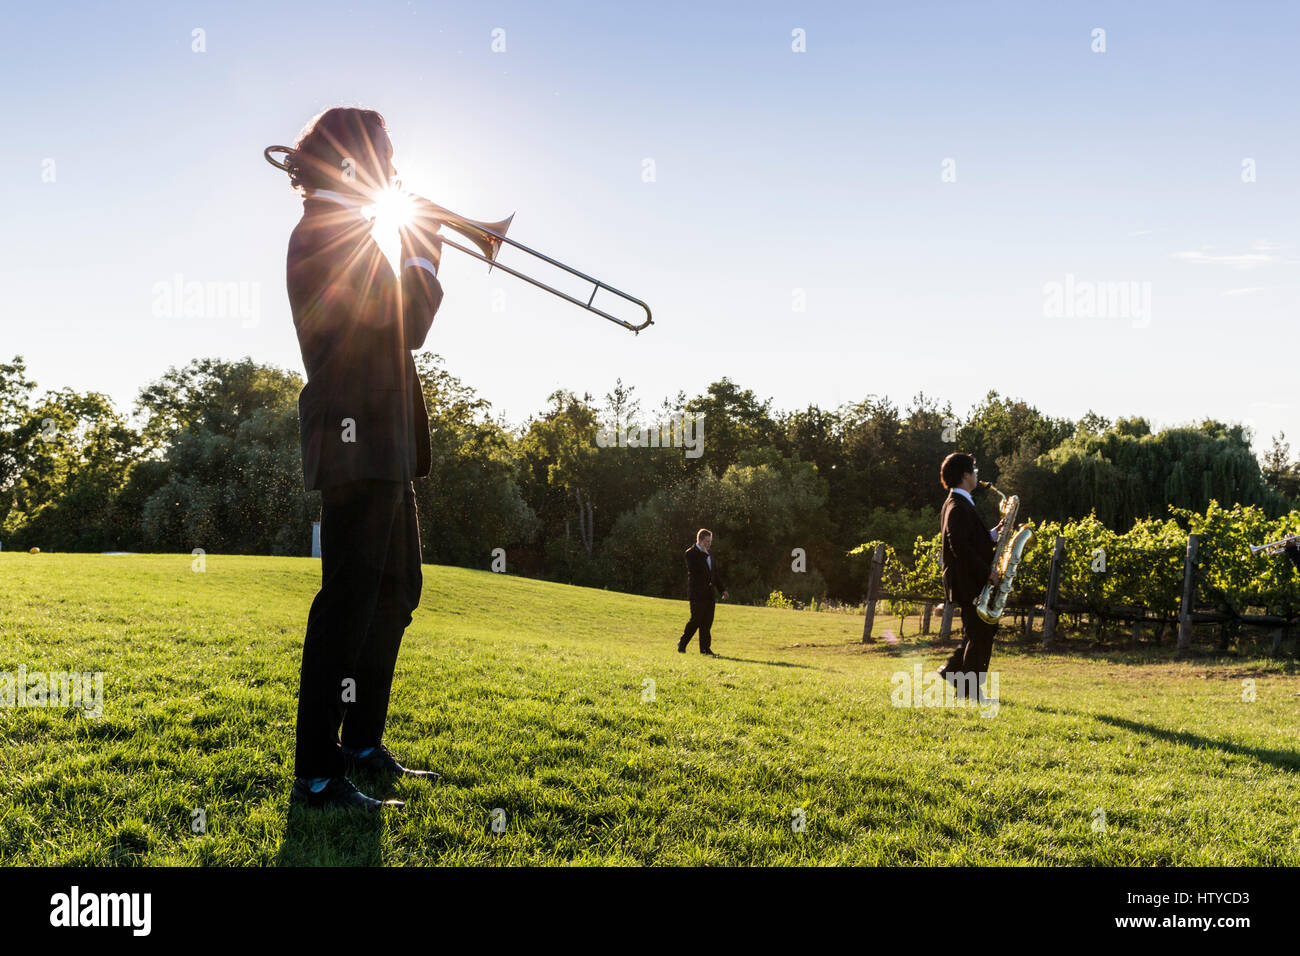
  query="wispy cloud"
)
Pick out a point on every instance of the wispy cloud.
point(1248, 290)
point(1263, 253)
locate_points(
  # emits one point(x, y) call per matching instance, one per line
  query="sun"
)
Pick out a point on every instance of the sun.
point(391, 213)
point(392, 210)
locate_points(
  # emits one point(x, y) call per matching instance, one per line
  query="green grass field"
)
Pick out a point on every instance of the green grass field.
point(530, 697)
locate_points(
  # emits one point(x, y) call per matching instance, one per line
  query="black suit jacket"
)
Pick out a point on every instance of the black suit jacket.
point(700, 578)
point(1293, 552)
point(967, 551)
point(356, 329)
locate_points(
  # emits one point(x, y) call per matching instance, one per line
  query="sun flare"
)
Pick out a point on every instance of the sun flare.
point(392, 209)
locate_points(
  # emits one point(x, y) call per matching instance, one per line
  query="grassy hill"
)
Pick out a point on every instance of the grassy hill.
point(532, 697)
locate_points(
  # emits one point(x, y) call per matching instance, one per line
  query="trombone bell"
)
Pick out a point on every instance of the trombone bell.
point(488, 236)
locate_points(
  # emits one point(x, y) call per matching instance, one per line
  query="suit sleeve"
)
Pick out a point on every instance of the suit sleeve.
point(1293, 552)
point(421, 291)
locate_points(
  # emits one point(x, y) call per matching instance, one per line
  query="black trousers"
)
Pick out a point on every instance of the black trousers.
point(977, 643)
point(702, 620)
point(370, 586)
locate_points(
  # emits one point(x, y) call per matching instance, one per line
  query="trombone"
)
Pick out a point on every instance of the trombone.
point(1274, 547)
point(490, 236)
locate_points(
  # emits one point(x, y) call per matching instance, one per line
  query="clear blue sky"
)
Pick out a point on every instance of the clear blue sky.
point(774, 171)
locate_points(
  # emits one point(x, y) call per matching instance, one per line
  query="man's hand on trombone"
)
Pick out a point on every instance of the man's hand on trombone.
point(421, 234)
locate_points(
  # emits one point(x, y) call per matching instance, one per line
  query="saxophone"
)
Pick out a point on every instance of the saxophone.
point(1011, 547)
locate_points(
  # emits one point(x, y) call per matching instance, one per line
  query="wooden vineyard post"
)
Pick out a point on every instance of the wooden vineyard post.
point(1050, 601)
point(873, 592)
point(945, 625)
point(1189, 596)
point(925, 618)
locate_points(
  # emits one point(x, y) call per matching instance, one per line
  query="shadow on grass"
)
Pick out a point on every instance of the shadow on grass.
point(1078, 645)
point(332, 838)
point(1282, 759)
point(754, 660)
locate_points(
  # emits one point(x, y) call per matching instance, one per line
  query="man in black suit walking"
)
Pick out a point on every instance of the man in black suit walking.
point(967, 567)
point(702, 577)
point(365, 436)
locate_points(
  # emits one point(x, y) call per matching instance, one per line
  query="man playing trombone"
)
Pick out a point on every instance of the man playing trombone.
point(365, 436)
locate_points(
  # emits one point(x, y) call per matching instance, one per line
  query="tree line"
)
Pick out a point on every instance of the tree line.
point(208, 457)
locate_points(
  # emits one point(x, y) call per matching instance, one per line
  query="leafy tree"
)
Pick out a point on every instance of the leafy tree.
point(1282, 474)
point(1129, 473)
point(238, 493)
point(212, 395)
point(762, 509)
point(998, 429)
point(15, 396)
point(471, 502)
point(73, 451)
point(734, 421)
point(558, 452)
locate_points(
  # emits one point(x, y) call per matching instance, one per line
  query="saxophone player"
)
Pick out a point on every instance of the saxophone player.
point(967, 566)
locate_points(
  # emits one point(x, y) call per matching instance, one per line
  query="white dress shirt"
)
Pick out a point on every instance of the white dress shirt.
point(354, 203)
point(707, 557)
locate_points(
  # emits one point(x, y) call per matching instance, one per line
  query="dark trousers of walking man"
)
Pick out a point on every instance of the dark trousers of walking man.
point(976, 649)
point(702, 620)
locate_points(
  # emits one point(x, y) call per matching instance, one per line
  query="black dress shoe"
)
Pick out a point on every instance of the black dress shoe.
point(681, 648)
point(381, 761)
point(339, 792)
point(708, 653)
